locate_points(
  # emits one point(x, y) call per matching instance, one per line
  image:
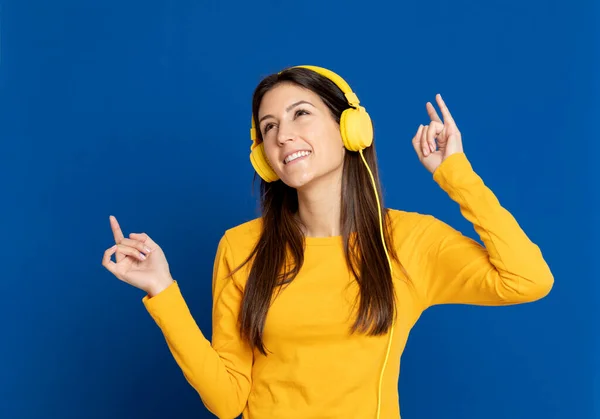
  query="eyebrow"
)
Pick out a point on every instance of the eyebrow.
point(289, 108)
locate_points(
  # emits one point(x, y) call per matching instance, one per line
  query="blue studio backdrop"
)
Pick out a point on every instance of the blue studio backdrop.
point(141, 109)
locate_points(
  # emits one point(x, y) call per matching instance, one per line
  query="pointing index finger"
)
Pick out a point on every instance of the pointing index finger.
point(118, 234)
point(445, 111)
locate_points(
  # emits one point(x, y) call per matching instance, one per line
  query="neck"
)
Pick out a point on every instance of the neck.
point(319, 208)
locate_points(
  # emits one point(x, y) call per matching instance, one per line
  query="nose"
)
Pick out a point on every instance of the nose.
point(285, 133)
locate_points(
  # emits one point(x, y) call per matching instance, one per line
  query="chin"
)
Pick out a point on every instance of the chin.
point(298, 181)
point(304, 177)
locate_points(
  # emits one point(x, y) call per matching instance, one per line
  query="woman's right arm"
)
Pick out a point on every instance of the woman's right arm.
point(221, 372)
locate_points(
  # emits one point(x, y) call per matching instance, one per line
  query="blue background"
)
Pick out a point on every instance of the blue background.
point(141, 110)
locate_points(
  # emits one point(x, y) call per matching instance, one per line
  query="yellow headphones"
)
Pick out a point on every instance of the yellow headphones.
point(355, 126)
point(357, 134)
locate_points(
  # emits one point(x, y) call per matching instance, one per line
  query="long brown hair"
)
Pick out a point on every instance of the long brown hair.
point(279, 252)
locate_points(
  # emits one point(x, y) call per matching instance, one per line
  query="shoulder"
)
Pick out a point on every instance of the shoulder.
point(246, 232)
point(415, 230)
point(409, 220)
point(235, 245)
point(239, 240)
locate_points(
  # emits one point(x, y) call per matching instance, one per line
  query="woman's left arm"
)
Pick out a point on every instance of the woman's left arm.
point(509, 268)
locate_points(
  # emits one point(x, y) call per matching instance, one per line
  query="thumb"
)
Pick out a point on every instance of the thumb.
point(416, 141)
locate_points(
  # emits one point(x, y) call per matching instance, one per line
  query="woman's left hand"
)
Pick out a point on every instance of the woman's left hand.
point(449, 140)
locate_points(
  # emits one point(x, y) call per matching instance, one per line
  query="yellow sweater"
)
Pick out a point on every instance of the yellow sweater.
point(315, 369)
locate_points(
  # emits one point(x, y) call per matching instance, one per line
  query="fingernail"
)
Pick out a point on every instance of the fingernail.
point(147, 249)
point(143, 256)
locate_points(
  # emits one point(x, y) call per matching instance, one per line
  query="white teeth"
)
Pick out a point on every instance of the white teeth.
point(294, 156)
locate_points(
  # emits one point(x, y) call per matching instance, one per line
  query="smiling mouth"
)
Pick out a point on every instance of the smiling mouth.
point(296, 156)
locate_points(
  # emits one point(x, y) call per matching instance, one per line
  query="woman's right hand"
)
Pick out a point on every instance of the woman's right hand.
point(139, 261)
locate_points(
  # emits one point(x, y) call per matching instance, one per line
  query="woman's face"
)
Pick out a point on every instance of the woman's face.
point(302, 141)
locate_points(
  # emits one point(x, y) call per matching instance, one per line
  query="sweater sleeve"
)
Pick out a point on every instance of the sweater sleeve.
point(221, 372)
point(508, 269)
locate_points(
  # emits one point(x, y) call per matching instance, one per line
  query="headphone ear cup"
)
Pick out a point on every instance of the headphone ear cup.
point(260, 163)
point(356, 128)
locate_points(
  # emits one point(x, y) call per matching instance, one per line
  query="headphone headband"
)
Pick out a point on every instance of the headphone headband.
point(339, 81)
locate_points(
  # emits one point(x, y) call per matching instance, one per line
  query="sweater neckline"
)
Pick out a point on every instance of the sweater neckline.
point(323, 241)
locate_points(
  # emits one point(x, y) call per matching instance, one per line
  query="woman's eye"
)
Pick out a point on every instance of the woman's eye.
point(298, 113)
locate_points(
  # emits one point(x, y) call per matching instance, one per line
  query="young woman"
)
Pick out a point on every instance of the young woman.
point(313, 301)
